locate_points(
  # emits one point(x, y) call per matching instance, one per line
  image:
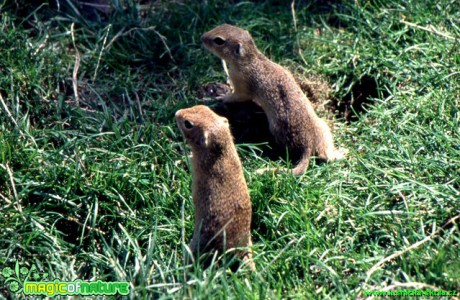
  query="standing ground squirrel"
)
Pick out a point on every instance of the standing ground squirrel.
point(220, 194)
point(292, 120)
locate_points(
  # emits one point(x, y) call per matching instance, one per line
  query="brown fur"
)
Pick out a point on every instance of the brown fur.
point(292, 120)
point(220, 194)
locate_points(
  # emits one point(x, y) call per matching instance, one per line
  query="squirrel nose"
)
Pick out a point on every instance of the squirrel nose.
point(205, 39)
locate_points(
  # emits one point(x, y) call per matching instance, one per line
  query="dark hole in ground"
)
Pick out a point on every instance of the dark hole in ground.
point(71, 230)
point(248, 124)
point(68, 229)
point(355, 102)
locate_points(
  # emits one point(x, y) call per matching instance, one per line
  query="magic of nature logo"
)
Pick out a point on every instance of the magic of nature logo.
point(30, 281)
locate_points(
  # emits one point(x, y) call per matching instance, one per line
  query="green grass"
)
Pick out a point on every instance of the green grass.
point(99, 188)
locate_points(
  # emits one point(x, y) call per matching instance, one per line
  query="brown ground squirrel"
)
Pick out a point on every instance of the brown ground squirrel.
point(220, 194)
point(292, 120)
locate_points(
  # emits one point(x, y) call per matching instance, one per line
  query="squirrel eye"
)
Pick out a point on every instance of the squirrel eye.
point(188, 124)
point(219, 41)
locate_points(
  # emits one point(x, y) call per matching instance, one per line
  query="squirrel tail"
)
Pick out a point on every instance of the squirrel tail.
point(302, 165)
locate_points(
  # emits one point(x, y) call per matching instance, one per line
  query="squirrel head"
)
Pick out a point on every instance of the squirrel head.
point(202, 128)
point(230, 43)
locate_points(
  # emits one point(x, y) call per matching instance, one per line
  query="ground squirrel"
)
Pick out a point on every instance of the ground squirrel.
point(220, 194)
point(292, 120)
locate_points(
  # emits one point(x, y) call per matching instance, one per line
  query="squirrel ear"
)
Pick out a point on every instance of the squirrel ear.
point(239, 50)
point(224, 121)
